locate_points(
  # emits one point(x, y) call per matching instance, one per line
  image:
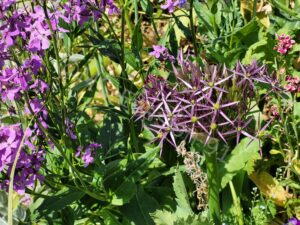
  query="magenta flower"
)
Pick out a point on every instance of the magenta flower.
point(170, 5)
point(87, 154)
point(293, 84)
point(284, 44)
point(293, 221)
point(29, 162)
point(162, 53)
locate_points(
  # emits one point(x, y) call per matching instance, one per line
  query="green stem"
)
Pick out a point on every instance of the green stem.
point(57, 57)
point(127, 16)
point(237, 205)
point(136, 12)
point(62, 152)
point(11, 180)
point(101, 72)
point(193, 32)
point(213, 185)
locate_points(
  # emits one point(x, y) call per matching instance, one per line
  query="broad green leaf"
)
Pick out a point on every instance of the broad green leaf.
point(249, 57)
point(182, 197)
point(68, 217)
point(121, 182)
point(109, 218)
point(247, 34)
point(241, 158)
point(204, 15)
point(58, 202)
point(140, 208)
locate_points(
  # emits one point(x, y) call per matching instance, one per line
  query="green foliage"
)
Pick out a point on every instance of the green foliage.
point(242, 157)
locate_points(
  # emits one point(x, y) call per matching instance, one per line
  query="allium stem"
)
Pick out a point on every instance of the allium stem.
point(236, 203)
point(213, 183)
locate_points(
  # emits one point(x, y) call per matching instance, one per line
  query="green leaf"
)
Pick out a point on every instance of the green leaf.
point(204, 15)
point(59, 202)
point(84, 84)
point(163, 217)
point(249, 57)
point(140, 208)
point(68, 217)
point(121, 179)
point(297, 109)
point(241, 158)
point(182, 197)
point(137, 37)
point(109, 218)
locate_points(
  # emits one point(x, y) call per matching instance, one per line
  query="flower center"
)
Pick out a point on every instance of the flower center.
point(213, 126)
point(160, 135)
point(194, 119)
point(216, 106)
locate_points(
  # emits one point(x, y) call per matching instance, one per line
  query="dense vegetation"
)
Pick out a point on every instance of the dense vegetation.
point(141, 112)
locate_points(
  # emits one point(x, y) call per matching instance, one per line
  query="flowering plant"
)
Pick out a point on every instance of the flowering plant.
point(149, 112)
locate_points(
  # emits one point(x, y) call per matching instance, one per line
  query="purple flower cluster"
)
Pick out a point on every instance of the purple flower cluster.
point(162, 53)
point(293, 221)
point(28, 165)
point(293, 84)
point(214, 101)
point(82, 11)
point(31, 28)
point(170, 5)
point(87, 153)
point(27, 29)
point(285, 43)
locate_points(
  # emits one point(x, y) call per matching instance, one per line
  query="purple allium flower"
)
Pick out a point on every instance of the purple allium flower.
point(162, 53)
point(213, 101)
point(293, 221)
point(285, 43)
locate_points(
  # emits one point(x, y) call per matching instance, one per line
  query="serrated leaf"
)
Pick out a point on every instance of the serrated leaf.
point(249, 57)
point(241, 158)
point(182, 197)
point(163, 217)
